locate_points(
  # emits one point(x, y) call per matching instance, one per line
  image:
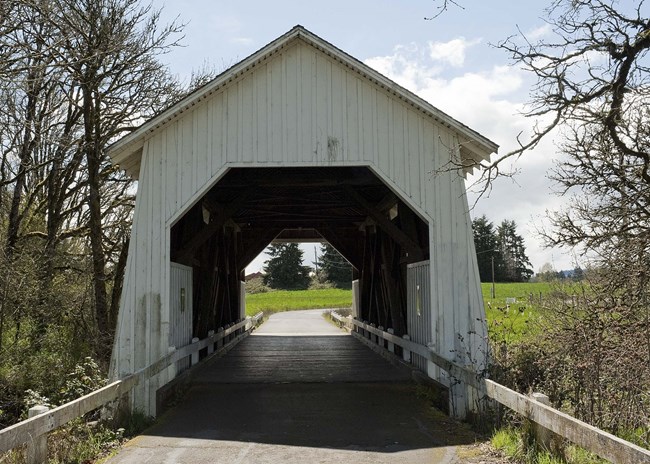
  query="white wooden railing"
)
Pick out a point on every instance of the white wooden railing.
point(33, 431)
point(597, 441)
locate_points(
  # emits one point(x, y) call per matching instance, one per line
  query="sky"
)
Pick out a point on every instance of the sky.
point(450, 61)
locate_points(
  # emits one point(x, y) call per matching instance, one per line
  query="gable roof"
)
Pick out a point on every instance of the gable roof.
point(127, 151)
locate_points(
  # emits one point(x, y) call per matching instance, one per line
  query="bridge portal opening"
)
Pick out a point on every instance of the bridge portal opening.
point(248, 208)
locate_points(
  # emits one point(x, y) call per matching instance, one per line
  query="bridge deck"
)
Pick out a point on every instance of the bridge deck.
point(297, 392)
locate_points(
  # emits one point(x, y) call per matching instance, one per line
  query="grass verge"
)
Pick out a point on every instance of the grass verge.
point(516, 444)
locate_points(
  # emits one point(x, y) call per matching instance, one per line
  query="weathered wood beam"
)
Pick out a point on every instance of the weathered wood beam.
point(345, 247)
point(225, 212)
point(386, 203)
point(253, 246)
point(394, 290)
point(299, 235)
point(410, 245)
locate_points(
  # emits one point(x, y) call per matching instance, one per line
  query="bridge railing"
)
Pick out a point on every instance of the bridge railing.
point(597, 441)
point(33, 431)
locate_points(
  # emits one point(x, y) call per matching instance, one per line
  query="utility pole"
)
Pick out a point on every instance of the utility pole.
point(493, 290)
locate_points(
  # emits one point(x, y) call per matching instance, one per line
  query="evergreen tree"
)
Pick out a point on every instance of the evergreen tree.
point(336, 268)
point(485, 242)
point(284, 271)
point(515, 265)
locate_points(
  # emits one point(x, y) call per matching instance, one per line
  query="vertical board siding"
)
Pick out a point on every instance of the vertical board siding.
point(418, 304)
point(180, 314)
point(298, 108)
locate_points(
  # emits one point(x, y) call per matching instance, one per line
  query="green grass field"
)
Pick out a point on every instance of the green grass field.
point(283, 300)
point(507, 323)
point(511, 322)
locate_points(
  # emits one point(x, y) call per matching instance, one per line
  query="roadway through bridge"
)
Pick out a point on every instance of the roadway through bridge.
point(299, 390)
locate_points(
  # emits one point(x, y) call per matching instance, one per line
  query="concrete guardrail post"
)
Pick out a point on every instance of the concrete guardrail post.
point(406, 354)
point(37, 447)
point(210, 345)
point(195, 355)
point(373, 337)
point(391, 345)
point(380, 338)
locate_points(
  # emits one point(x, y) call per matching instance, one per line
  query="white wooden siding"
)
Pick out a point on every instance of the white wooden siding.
point(418, 305)
point(299, 108)
point(181, 310)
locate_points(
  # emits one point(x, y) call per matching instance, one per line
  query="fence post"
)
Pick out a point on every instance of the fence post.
point(406, 353)
point(220, 341)
point(171, 370)
point(210, 345)
point(37, 446)
point(391, 345)
point(380, 339)
point(195, 355)
point(543, 436)
point(373, 337)
point(431, 367)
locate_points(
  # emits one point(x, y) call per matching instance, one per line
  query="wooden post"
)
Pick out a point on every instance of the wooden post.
point(380, 339)
point(171, 370)
point(391, 345)
point(210, 345)
point(373, 337)
point(406, 353)
point(543, 436)
point(37, 447)
point(195, 355)
point(220, 341)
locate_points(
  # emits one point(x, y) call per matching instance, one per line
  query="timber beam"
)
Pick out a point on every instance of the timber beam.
point(348, 248)
point(253, 246)
point(219, 215)
point(405, 241)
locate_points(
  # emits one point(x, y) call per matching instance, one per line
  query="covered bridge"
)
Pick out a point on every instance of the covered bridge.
point(299, 142)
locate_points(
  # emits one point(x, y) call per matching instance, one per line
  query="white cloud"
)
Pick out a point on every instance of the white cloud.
point(452, 52)
point(241, 40)
point(490, 101)
point(539, 32)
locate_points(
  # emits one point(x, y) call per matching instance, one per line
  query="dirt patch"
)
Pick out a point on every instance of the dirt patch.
point(480, 453)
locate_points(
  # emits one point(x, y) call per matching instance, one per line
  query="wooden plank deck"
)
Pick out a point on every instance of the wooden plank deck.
point(294, 398)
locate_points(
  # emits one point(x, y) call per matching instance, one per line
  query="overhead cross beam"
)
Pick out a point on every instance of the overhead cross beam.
point(255, 244)
point(223, 213)
point(406, 242)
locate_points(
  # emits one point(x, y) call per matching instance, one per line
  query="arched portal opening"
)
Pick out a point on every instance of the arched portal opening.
point(349, 207)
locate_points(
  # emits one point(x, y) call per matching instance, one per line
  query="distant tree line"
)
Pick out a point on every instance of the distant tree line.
point(500, 252)
point(284, 270)
point(547, 274)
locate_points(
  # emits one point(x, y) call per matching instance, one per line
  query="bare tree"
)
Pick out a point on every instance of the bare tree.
point(593, 94)
point(76, 74)
point(110, 47)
